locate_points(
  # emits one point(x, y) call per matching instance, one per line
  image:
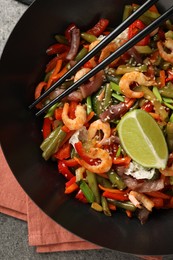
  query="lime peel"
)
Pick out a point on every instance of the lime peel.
point(142, 139)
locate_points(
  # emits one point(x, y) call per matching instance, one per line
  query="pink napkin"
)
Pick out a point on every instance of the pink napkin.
point(43, 232)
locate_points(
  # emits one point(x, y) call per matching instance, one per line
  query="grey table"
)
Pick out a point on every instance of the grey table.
point(13, 232)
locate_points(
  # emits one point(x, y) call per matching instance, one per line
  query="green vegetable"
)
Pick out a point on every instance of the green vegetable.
point(116, 180)
point(53, 142)
point(89, 104)
point(104, 182)
point(92, 182)
point(128, 9)
point(105, 206)
point(81, 54)
point(88, 37)
point(87, 191)
point(124, 205)
point(61, 39)
point(169, 136)
point(122, 69)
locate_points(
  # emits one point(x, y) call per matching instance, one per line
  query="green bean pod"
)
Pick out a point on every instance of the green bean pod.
point(104, 182)
point(53, 142)
point(88, 37)
point(87, 191)
point(116, 180)
point(127, 205)
point(92, 182)
point(105, 206)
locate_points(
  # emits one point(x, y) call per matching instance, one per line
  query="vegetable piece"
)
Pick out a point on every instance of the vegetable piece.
point(88, 37)
point(169, 136)
point(124, 205)
point(87, 191)
point(75, 42)
point(128, 9)
point(47, 127)
point(92, 182)
point(134, 28)
point(81, 54)
point(52, 143)
point(99, 27)
point(63, 152)
point(57, 48)
point(105, 206)
point(121, 196)
point(96, 206)
point(64, 170)
point(116, 180)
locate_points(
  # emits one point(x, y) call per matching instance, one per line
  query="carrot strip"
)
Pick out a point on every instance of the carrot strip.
point(39, 89)
point(54, 73)
point(111, 206)
point(158, 194)
point(112, 190)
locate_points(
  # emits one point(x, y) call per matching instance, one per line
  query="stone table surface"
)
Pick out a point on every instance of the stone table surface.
point(13, 232)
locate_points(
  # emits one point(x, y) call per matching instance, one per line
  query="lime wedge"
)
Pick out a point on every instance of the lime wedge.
point(142, 139)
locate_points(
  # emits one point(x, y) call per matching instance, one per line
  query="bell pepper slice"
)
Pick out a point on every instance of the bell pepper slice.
point(47, 127)
point(134, 28)
point(57, 48)
point(63, 152)
point(64, 170)
point(116, 196)
point(99, 27)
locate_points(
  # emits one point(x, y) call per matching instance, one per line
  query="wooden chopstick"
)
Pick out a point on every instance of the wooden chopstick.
point(98, 47)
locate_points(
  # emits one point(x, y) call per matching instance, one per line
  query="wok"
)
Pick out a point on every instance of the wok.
point(22, 65)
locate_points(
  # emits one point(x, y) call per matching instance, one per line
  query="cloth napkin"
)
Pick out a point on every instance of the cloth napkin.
point(43, 232)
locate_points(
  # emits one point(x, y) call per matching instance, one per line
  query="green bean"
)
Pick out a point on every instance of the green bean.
point(88, 37)
point(61, 39)
point(51, 110)
point(104, 182)
point(92, 182)
point(116, 180)
point(166, 91)
point(169, 136)
point(122, 69)
point(87, 191)
point(105, 206)
point(89, 104)
point(124, 205)
point(115, 87)
point(171, 118)
point(157, 93)
point(97, 104)
point(168, 100)
point(118, 97)
point(168, 105)
point(81, 54)
point(107, 98)
point(52, 143)
point(113, 78)
point(128, 9)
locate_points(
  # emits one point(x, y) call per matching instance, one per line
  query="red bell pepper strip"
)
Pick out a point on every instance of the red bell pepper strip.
point(121, 160)
point(80, 196)
point(71, 185)
point(80, 150)
point(63, 152)
point(58, 113)
point(99, 27)
point(170, 76)
point(70, 162)
point(147, 106)
point(57, 48)
point(116, 196)
point(47, 127)
point(134, 28)
point(64, 170)
point(52, 63)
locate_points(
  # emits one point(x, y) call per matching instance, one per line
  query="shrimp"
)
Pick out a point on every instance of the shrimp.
point(78, 121)
point(110, 48)
point(100, 167)
point(99, 125)
point(131, 77)
point(165, 55)
point(81, 73)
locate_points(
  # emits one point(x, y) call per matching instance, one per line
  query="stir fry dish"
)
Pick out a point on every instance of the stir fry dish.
point(112, 138)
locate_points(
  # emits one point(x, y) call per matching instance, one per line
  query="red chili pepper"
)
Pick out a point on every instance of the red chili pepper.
point(71, 185)
point(64, 170)
point(47, 127)
point(147, 106)
point(70, 162)
point(57, 48)
point(134, 28)
point(69, 30)
point(99, 27)
point(80, 196)
point(116, 196)
point(122, 160)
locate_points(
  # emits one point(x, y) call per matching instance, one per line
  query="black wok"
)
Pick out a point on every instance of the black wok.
point(21, 67)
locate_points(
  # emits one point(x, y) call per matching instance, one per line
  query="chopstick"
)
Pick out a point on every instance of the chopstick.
point(98, 47)
point(155, 24)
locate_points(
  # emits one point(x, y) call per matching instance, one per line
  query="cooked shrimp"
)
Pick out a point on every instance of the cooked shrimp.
point(143, 199)
point(78, 121)
point(110, 48)
point(99, 125)
point(165, 55)
point(100, 167)
point(131, 77)
point(81, 73)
